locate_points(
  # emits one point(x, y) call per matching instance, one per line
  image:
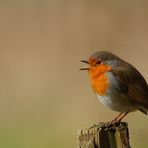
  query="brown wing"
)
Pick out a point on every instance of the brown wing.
point(132, 82)
point(137, 93)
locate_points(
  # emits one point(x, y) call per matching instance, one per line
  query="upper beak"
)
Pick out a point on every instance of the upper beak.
point(84, 61)
point(85, 68)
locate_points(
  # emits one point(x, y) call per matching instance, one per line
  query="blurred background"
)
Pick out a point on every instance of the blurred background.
point(44, 98)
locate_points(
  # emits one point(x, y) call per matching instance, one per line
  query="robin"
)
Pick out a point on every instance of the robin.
point(117, 84)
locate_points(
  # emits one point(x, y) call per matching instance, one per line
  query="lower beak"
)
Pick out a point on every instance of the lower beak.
point(85, 68)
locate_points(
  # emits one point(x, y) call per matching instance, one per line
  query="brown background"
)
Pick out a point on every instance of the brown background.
point(44, 98)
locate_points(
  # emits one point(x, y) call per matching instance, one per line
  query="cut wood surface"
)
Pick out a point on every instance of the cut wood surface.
point(104, 136)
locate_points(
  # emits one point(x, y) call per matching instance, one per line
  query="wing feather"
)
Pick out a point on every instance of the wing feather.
point(133, 82)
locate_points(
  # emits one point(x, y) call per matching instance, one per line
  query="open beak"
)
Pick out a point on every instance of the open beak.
point(85, 68)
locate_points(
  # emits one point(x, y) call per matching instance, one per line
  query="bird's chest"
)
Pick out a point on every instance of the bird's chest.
point(98, 78)
point(99, 84)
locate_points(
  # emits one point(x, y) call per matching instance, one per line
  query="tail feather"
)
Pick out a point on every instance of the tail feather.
point(143, 111)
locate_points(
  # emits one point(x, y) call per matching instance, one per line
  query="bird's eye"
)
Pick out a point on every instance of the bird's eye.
point(98, 62)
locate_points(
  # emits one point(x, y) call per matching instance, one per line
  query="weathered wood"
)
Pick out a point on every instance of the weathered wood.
point(104, 136)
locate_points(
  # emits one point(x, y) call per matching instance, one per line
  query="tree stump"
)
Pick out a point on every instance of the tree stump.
point(104, 136)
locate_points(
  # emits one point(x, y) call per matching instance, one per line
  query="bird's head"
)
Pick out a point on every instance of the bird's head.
point(100, 62)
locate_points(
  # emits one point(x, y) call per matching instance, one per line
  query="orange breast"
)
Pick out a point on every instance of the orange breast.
point(98, 78)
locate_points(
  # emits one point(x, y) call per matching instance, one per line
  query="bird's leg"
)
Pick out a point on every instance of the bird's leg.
point(117, 117)
point(121, 116)
point(117, 120)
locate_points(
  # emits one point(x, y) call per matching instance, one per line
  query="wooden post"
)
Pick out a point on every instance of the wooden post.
point(103, 136)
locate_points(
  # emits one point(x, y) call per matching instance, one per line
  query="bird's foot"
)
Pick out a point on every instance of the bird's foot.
point(110, 123)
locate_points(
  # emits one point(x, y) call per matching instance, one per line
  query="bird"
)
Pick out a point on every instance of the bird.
point(117, 84)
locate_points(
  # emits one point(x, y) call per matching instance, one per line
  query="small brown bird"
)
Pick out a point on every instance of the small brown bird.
point(117, 84)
